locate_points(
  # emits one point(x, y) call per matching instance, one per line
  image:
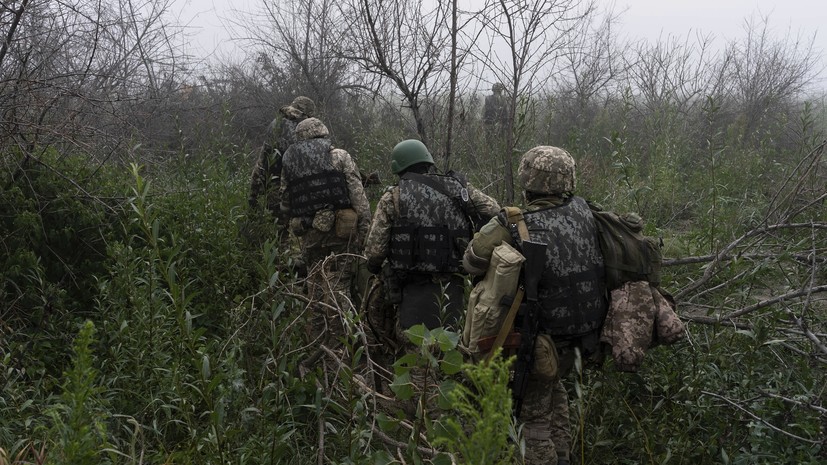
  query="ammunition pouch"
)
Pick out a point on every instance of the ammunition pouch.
point(346, 220)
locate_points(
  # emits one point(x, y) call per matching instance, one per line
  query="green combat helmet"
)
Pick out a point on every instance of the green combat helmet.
point(408, 153)
point(311, 128)
point(547, 170)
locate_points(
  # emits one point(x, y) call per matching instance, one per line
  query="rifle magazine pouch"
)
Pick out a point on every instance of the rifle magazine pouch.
point(485, 314)
point(297, 227)
point(546, 363)
point(346, 220)
point(323, 220)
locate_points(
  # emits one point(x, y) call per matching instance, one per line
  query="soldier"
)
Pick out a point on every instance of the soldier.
point(265, 178)
point(419, 232)
point(322, 194)
point(571, 291)
point(494, 109)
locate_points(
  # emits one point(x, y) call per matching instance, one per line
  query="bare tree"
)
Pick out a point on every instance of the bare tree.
point(69, 67)
point(298, 42)
point(404, 43)
point(592, 69)
point(525, 40)
point(767, 71)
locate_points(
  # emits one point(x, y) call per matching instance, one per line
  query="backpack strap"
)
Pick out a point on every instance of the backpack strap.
point(515, 217)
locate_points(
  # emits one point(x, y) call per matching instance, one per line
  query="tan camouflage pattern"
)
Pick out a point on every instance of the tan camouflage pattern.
point(330, 259)
point(387, 212)
point(547, 169)
point(668, 326)
point(311, 128)
point(485, 314)
point(304, 105)
point(629, 324)
point(330, 274)
point(638, 311)
point(546, 424)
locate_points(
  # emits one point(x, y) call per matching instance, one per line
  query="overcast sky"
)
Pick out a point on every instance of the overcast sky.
point(645, 19)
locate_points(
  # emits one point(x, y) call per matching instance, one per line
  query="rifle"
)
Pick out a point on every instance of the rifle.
point(535, 254)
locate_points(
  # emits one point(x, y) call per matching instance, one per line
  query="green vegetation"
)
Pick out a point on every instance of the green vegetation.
point(148, 316)
point(198, 316)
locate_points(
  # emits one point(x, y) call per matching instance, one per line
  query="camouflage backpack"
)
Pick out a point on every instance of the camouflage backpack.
point(628, 254)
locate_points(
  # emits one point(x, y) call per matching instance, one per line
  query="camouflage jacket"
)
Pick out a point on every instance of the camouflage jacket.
point(377, 247)
point(281, 133)
point(340, 161)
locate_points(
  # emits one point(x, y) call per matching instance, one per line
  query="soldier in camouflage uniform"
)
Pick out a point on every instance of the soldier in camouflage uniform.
point(419, 232)
point(281, 133)
point(572, 294)
point(322, 194)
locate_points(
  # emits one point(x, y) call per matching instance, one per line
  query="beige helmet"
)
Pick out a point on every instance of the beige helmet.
point(310, 128)
point(497, 87)
point(301, 107)
point(304, 105)
point(548, 170)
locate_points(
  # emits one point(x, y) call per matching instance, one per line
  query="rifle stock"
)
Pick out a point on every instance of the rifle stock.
point(533, 267)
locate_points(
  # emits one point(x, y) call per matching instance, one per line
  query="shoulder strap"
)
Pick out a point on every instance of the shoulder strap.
point(428, 181)
point(515, 216)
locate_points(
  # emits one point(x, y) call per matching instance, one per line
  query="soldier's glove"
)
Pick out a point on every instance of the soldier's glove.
point(252, 202)
point(374, 268)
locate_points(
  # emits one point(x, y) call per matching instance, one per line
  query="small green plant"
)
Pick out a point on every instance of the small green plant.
point(79, 421)
point(480, 426)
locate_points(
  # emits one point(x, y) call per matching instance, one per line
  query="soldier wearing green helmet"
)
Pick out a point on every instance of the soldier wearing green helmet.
point(572, 296)
point(419, 231)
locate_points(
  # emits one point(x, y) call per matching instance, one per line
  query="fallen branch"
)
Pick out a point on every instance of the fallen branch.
point(757, 418)
point(774, 300)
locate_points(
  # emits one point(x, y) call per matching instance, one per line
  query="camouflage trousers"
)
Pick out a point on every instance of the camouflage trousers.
point(545, 415)
point(330, 272)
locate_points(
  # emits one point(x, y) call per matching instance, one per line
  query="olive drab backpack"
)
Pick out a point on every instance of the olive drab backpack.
point(628, 255)
point(641, 313)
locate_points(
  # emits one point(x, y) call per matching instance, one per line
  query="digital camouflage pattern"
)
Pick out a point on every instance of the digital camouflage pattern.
point(545, 418)
point(317, 157)
point(387, 213)
point(636, 313)
point(378, 245)
point(668, 326)
point(266, 177)
point(303, 105)
point(547, 170)
point(310, 128)
point(310, 181)
point(329, 258)
point(571, 290)
point(545, 403)
point(628, 326)
point(431, 232)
